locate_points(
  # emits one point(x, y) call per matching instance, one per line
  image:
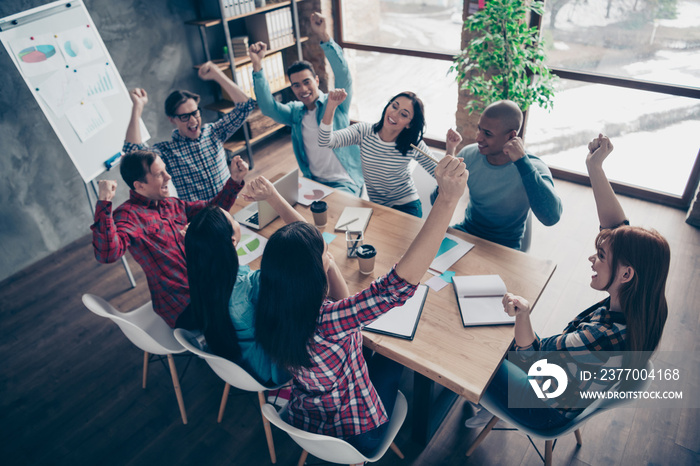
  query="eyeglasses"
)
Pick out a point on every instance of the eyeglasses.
point(185, 117)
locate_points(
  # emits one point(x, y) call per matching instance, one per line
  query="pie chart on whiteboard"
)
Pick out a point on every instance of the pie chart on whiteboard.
point(37, 53)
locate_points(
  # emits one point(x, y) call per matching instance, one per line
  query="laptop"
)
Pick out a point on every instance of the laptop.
point(258, 215)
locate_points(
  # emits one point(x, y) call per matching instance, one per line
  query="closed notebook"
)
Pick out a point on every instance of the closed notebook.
point(402, 321)
point(353, 219)
point(480, 300)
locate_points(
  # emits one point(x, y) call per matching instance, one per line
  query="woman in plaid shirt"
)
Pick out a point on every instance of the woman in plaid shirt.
point(320, 341)
point(631, 264)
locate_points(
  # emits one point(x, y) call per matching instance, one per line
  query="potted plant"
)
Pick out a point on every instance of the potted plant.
point(504, 58)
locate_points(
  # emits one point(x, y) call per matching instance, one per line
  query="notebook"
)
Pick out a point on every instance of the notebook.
point(480, 300)
point(402, 321)
point(353, 219)
point(259, 214)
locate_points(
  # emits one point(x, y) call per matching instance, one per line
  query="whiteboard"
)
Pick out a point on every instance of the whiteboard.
point(64, 62)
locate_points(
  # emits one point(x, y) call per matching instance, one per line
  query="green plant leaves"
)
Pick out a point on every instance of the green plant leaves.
point(505, 59)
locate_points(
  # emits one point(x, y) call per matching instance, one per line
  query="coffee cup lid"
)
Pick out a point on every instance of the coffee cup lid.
point(366, 251)
point(319, 206)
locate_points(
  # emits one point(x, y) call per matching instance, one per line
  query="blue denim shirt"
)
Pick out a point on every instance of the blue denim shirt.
point(292, 113)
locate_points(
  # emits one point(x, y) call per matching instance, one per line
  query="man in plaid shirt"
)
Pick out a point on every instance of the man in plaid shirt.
point(151, 224)
point(195, 156)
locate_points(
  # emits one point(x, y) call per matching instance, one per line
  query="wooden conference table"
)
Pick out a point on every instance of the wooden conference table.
point(460, 359)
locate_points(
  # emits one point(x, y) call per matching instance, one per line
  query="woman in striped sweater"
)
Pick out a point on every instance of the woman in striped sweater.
point(385, 148)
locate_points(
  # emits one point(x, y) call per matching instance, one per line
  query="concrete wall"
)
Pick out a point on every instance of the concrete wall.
point(43, 206)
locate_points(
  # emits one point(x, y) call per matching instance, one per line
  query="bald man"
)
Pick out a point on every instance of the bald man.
point(505, 182)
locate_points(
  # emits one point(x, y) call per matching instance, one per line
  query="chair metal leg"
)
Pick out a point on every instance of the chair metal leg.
point(145, 369)
point(548, 447)
point(176, 385)
point(396, 450)
point(579, 437)
point(302, 458)
point(482, 435)
point(268, 430)
point(224, 399)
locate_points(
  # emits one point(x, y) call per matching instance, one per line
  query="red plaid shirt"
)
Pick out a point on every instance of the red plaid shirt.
point(151, 232)
point(335, 396)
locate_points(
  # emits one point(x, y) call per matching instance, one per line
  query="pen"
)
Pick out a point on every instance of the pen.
point(347, 223)
point(353, 249)
point(426, 154)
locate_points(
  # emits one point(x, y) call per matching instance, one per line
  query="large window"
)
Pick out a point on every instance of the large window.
point(631, 69)
point(431, 26)
point(402, 45)
point(655, 135)
point(379, 77)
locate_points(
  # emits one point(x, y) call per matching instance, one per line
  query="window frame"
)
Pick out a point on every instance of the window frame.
point(638, 192)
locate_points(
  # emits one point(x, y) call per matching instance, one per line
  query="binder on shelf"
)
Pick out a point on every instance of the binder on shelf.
point(272, 27)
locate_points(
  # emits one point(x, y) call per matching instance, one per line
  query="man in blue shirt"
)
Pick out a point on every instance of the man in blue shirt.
point(339, 168)
point(505, 182)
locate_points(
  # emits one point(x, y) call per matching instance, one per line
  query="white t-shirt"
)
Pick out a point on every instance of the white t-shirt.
point(323, 162)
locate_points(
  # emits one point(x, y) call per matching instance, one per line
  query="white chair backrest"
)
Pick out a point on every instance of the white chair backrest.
point(229, 372)
point(142, 326)
point(324, 447)
point(609, 403)
point(333, 449)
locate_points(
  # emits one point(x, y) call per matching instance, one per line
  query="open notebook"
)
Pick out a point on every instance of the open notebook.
point(480, 299)
point(402, 321)
point(353, 219)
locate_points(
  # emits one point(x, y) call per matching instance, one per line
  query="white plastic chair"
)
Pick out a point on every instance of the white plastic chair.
point(550, 435)
point(232, 374)
point(336, 450)
point(149, 332)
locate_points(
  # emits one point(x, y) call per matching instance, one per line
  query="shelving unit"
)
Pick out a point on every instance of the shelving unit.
point(229, 23)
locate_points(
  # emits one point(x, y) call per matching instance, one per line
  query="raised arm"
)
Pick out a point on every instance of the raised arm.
point(335, 98)
point(337, 286)
point(139, 99)
point(451, 175)
point(318, 27)
point(279, 112)
point(327, 136)
point(260, 189)
point(610, 212)
point(210, 72)
point(452, 140)
point(108, 242)
point(537, 181)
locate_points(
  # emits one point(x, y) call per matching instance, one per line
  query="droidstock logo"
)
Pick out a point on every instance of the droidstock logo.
point(543, 369)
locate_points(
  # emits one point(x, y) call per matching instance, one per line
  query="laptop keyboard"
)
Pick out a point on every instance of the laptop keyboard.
point(253, 218)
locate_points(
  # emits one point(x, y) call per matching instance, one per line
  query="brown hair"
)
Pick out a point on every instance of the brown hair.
point(643, 298)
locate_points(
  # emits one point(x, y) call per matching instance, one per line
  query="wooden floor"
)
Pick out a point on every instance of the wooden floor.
point(71, 392)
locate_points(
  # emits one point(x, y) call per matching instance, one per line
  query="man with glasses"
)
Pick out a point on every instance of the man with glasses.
point(194, 156)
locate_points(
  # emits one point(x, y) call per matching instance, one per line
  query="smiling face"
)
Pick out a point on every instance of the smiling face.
point(192, 126)
point(305, 87)
point(156, 185)
point(601, 263)
point(236, 238)
point(491, 136)
point(398, 114)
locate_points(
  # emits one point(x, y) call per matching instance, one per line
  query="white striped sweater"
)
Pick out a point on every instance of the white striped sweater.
point(384, 168)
